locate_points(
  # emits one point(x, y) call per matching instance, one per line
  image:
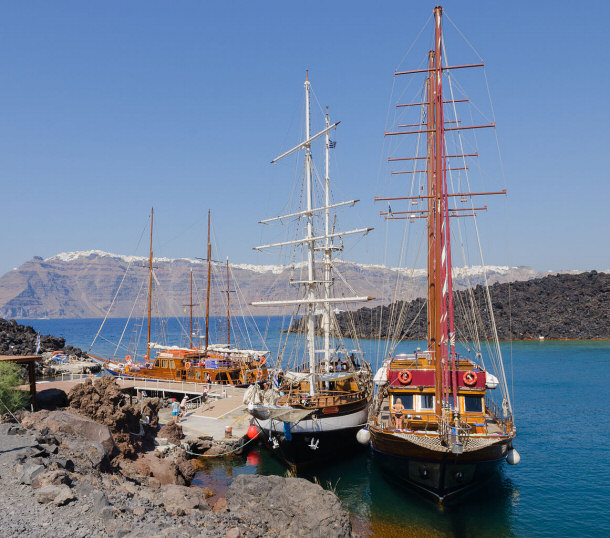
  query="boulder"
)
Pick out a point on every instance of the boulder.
point(175, 497)
point(172, 432)
point(51, 399)
point(58, 495)
point(29, 472)
point(292, 506)
point(66, 422)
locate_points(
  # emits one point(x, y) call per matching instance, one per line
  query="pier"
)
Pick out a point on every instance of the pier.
point(222, 409)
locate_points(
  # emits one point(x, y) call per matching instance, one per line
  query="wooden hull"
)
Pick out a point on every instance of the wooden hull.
point(440, 474)
point(311, 442)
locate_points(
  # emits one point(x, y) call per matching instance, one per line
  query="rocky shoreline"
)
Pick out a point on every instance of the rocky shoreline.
point(65, 474)
point(556, 307)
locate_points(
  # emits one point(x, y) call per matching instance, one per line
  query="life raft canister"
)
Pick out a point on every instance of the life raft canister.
point(470, 378)
point(187, 365)
point(404, 376)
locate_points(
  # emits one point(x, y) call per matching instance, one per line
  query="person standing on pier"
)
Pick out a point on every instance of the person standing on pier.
point(175, 409)
point(183, 406)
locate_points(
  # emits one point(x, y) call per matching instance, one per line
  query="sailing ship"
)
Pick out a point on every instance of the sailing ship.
point(313, 410)
point(221, 364)
point(441, 420)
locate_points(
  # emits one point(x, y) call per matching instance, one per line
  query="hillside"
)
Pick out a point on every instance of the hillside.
point(563, 306)
point(84, 284)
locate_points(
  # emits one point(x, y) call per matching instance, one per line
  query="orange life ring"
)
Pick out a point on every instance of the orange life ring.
point(187, 365)
point(404, 376)
point(470, 378)
point(127, 358)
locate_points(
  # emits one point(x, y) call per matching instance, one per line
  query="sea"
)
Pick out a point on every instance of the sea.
point(561, 399)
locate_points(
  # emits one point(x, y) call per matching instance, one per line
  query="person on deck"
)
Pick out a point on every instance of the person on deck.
point(175, 410)
point(398, 409)
point(183, 406)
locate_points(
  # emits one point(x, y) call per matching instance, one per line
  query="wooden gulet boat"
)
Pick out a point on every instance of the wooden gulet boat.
point(312, 411)
point(433, 424)
point(211, 363)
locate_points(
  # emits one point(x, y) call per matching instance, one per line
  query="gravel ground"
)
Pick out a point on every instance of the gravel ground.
point(54, 485)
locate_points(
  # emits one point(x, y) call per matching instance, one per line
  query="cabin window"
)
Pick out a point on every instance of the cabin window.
point(407, 401)
point(197, 374)
point(473, 404)
point(164, 364)
point(157, 363)
point(426, 401)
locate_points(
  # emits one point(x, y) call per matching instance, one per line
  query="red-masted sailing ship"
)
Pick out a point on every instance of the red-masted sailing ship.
point(433, 423)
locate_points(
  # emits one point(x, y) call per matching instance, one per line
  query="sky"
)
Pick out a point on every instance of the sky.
point(110, 108)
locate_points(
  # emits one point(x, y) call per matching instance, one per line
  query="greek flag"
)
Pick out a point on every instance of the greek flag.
point(274, 380)
point(332, 143)
point(37, 343)
point(389, 211)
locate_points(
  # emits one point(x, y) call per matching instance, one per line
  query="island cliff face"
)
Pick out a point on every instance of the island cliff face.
point(563, 306)
point(84, 284)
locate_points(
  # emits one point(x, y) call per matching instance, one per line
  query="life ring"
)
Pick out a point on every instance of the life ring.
point(404, 376)
point(470, 378)
point(187, 365)
point(128, 359)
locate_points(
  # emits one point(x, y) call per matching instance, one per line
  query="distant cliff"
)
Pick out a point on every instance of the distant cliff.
point(563, 306)
point(84, 284)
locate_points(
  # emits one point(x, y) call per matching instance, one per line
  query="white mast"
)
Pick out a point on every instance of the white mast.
point(311, 277)
point(327, 252)
point(309, 243)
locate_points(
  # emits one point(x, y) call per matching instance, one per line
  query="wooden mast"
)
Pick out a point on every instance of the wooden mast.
point(207, 300)
point(150, 275)
point(438, 211)
point(228, 307)
point(191, 316)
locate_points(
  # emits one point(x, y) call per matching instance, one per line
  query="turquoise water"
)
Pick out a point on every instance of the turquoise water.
point(560, 488)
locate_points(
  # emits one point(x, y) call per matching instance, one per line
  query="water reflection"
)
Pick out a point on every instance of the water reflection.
point(378, 506)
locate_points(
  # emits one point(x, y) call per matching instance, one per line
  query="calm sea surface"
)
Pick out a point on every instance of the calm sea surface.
point(560, 488)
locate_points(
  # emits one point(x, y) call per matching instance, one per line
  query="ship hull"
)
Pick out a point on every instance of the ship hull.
point(312, 442)
point(439, 475)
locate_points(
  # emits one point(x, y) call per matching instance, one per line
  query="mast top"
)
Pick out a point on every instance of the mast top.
point(306, 75)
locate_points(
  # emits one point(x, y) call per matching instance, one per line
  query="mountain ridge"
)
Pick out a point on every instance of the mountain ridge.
point(84, 284)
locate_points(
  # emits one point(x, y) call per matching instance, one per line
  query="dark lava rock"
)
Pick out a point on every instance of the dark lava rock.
point(104, 402)
point(18, 339)
point(563, 306)
point(51, 399)
point(292, 506)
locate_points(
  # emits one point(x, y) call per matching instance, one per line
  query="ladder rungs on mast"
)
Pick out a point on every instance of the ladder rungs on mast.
point(432, 69)
point(315, 238)
point(425, 103)
point(305, 212)
point(423, 197)
point(424, 131)
point(390, 159)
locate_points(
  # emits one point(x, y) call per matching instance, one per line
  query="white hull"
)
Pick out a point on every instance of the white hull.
point(324, 424)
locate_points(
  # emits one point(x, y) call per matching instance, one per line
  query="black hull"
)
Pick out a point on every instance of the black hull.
point(441, 479)
point(298, 453)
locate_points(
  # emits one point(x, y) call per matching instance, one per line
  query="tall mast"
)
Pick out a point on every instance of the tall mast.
point(327, 250)
point(191, 316)
point(150, 275)
point(438, 213)
point(311, 337)
point(228, 307)
point(207, 300)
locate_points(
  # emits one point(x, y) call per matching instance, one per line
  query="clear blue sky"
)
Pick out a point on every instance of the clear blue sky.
point(108, 108)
